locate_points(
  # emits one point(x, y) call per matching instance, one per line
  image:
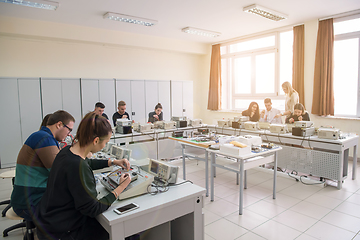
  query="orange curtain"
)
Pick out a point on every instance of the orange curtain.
point(214, 100)
point(323, 95)
point(298, 62)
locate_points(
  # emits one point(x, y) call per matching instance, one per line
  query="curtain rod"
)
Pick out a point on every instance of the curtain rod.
point(339, 15)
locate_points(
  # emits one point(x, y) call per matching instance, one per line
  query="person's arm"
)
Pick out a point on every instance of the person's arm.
point(47, 152)
point(151, 118)
point(306, 116)
point(161, 116)
point(114, 118)
point(128, 116)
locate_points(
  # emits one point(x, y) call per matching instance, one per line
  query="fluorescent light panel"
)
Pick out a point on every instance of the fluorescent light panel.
point(200, 32)
point(130, 19)
point(34, 3)
point(265, 12)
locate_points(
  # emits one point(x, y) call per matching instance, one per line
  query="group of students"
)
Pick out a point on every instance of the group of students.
point(154, 116)
point(294, 111)
point(55, 188)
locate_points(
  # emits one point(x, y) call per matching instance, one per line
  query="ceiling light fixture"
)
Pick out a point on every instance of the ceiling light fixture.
point(130, 19)
point(265, 12)
point(200, 32)
point(48, 5)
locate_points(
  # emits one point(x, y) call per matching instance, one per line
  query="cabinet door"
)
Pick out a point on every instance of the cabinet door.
point(176, 98)
point(51, 93)
point(188, 102)
point(71, 100)
point(152, 96)
point(107, 95)
point(30, 106)
point(10, 141)
point(123, 93)
point(90, 94)
point(164, 98)
point(138, 101)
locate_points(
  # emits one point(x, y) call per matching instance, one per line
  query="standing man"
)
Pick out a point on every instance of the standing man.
point(121, 113)
point(35, 160)
point(270, 114)
point(99, 110)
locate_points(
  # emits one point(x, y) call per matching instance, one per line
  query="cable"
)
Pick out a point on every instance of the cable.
point(279, 139)
point(310, 183)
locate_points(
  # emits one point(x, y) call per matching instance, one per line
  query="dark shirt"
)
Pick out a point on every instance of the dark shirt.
point(254, 118)
point(105, 116)
point(117, 115)
point(305, 117)
point(71, 197)
point(152, 119)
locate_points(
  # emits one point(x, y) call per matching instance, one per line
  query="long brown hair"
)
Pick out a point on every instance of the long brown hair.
point(92, 126)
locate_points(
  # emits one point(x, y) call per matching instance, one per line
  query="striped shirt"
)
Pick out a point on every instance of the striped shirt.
point(32, 168)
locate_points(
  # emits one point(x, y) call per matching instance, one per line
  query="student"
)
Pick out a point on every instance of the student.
point(121, 113)
point(252, 112)
point(99, 109)
point(35, 160)
point(69, 205)
point(157, 115)
point(45, 120)
point(299, 114)
point(270, 114)
point(292, 98)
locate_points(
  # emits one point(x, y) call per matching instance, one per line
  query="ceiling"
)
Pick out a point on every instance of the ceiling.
point(224, 16)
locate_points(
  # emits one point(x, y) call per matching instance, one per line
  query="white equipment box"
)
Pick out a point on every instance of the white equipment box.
point(329, 133)
point(251, 126)
point(278, 128)
point(166, 173)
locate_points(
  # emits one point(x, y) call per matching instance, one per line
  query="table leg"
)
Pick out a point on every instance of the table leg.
point(275, 172)
point(354, 162)
point(245, 179)
point(237, 176)
point(206, 173)
point(341, 175)
point(183, 157)
point(212, 157)
point(241, 192)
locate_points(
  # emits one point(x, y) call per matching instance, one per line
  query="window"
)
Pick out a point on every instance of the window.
point(254, 69)
point(346, 66)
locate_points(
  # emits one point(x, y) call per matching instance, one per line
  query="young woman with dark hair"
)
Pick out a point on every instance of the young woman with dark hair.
point(299, 114)
point(69, 205)
point(156, 115)
point(252, 112)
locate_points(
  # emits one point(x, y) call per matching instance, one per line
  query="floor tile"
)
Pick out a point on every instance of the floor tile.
point(272, 230)
point(343, 220)
point(295, 220)
point(323, 200)
point(229, 230)
point(250, 236)
point(355, 198)
point(327, 231)
point(258, 192)
point(248, 219)
point(207, 237)
point(349, 208)
point(266, 209)
point(222, 207)
point(222, 191)
point(283, 200)
point(248, 199)
point(310, 209)
point(305, 237)
point(210, 217)
point(335, 193)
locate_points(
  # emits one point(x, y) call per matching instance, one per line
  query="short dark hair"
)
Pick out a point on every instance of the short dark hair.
point(60, 116)
point(100, 105)
point(158, 106)
point(121, 103)
point(90, 127)
point(267, 100)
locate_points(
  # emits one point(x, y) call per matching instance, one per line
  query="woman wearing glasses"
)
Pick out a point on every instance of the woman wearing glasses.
point(69, 205)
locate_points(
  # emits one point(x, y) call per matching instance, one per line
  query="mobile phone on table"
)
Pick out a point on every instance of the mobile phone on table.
point(126, 208)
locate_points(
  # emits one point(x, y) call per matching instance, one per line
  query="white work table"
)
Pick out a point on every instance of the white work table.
point(177, 212)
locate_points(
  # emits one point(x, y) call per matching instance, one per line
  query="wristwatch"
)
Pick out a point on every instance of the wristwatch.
point(112, 162)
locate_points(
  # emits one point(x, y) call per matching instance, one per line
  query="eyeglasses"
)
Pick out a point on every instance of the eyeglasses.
point(70, 129)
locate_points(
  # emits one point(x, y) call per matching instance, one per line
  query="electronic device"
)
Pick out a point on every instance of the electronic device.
point(235, 124)
point(250, 140)
point(329, 133)
point(181, 123)
point(178, 134)
point(167, 124)
point(241, 119)
point(107, 147)
point(158, 124)
point(140, 180)
point(120, 152)
point(251, 126)
point(264, 125)
point(181, 118)
point(142, 127)
point(203, 130)
point(196, 122)
point(223, 123)
point(127, 208)
point(163, 171)
point(123, 126)
point(278, 128)
point(303, 131)
point(303, 124)
point(290, 126)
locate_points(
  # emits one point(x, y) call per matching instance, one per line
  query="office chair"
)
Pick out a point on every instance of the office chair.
point(7, 174)
point(29, 225)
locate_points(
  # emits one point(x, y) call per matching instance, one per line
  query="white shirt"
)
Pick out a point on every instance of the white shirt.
point(270, 116)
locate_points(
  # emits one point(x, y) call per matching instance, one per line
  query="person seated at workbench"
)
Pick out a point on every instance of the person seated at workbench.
point(252, 112)
point(299, 114)
point(156, 115)
point(121, 113)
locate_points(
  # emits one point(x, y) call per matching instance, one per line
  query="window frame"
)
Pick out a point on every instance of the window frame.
point(231, 96)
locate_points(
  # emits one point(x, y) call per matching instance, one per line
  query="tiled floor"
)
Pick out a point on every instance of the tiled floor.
point(302, 212)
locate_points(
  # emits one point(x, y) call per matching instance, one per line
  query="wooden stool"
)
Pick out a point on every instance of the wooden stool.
point(29, 225)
